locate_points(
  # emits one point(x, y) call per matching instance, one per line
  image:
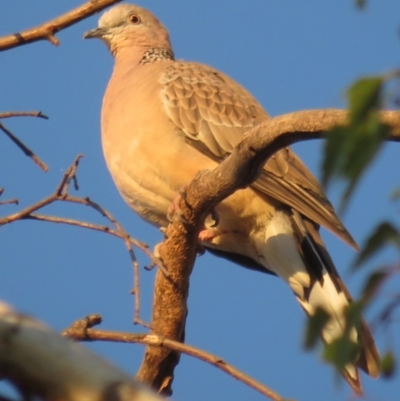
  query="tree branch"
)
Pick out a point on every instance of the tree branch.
point(43, 364)
point(206, 190)
point(17, 141)
point(28, 152)
point(47, 30)
point(61, 194)
point(80, 332)
point(7, 201)
point(9, 114)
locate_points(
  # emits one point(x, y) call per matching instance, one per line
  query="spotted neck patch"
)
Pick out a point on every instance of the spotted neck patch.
point(155, 54)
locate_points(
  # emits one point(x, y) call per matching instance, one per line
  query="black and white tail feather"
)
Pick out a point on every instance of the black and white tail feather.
point(327, 291)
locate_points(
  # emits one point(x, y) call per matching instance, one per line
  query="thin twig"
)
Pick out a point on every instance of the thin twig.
point(81, 333)
point(24, 148)
point(9, 114)
point(61, 194)
point(125, 237)
point(96, 227)
point(70, 174)
point(47, 30)
point(9, 201)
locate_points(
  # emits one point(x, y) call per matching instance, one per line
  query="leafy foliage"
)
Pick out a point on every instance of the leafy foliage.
point(384, 234)
point(388, 365)
point(350, 148)
point(341, 352)
point(315, 325)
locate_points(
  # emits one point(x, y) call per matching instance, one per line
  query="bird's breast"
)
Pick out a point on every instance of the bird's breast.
point(145, 152)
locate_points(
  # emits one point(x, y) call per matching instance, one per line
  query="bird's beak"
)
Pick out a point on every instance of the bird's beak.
point(95, 33)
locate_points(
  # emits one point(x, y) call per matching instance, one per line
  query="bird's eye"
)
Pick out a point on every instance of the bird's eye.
point(135, 19)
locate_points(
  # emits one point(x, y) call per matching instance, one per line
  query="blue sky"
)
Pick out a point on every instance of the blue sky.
point(292, 55)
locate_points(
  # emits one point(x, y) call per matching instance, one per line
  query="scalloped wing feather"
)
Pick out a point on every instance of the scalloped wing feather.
point(215, 112)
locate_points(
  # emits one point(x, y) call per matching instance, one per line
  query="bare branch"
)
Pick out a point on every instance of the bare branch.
point(207, 189)
point(78, 223)
point(80, 331)
point(61, 194)
point(47, 30)
point(9, 201)
point(9, 114)
point(24, 148)
point(43, 364)
point(126, 238)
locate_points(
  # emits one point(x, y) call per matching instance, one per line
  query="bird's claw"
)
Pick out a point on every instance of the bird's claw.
point(206, 235)
point(174, 210)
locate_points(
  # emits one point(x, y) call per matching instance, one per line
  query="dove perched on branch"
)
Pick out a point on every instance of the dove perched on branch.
point(163, 120)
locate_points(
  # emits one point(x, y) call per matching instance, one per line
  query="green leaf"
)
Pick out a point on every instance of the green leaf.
point(388, 365)
point(373, 283)
point(353, 314)
point(349, 149)
point(314, 327)
point(364, 96)
point(334, 153)
point(341, 352)
point(384, 234)
point(367, 140)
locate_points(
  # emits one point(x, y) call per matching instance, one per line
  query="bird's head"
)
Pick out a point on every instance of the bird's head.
point(128, 25)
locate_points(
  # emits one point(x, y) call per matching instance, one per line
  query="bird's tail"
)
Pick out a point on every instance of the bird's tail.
point(302, 261)
point(330, 293)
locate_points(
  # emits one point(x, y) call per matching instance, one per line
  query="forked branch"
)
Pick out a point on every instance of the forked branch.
point(207, 189)
point(82, 330)
point(28, 152)
point(42, 364)
point(62, 194)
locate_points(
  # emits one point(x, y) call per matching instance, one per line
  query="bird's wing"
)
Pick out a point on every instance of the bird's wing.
point(286, 178)
point(208, 107)
point(214, 112)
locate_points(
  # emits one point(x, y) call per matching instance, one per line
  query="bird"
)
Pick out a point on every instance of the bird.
point(163, 120)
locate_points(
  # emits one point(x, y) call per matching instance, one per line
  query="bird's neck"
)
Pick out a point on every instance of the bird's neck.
point(155, 54)
point(144, 56)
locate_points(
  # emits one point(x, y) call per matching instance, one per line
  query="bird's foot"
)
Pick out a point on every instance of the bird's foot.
point(174, 210)
point(206, 235)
